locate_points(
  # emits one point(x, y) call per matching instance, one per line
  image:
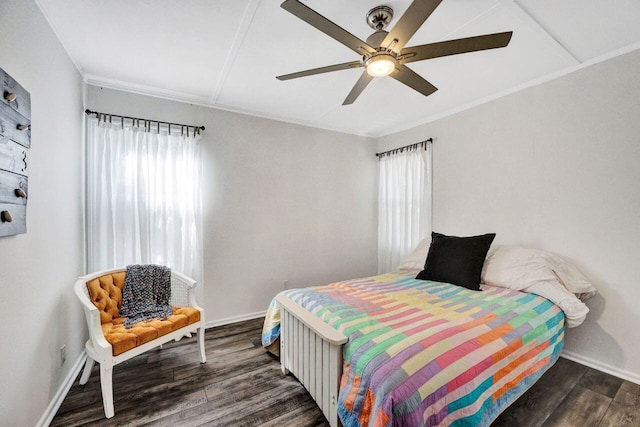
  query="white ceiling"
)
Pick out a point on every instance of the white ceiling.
point(226, 53)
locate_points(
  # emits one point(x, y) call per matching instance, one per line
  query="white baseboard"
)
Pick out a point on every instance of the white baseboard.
point(58, 398)
point(235, 319)
point(616, 372)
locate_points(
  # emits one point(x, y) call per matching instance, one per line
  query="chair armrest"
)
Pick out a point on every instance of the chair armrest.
point(92, 315)
point(179, 277)
point(183, 291)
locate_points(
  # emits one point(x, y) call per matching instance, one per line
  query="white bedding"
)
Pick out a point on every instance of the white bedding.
point(529, 270)
point(542, 273)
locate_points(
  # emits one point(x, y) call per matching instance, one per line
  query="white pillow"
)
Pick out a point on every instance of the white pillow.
point(541, 273)
point(416, 259)
point(517, 267)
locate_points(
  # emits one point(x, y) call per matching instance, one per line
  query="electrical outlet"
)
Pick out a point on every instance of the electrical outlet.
point(285, 284)
point(63, 354)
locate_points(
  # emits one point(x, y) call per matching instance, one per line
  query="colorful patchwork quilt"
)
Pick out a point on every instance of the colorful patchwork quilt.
point(422, 353)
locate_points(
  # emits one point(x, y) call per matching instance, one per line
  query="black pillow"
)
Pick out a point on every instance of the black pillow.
point(456, 260)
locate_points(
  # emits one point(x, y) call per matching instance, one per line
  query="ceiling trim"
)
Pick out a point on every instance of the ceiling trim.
point(541, 27)
point(288, 120)
point(146, 90)
point(204, 102)
point(238, 41)
point(536, 82)
point(453, 34)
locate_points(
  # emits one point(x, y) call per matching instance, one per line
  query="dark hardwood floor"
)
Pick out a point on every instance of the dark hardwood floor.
point(241, 385)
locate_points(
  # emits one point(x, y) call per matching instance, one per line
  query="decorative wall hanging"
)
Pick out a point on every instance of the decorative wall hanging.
point(15, 141)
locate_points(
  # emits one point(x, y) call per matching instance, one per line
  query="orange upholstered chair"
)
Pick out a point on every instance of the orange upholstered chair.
point(111, 343)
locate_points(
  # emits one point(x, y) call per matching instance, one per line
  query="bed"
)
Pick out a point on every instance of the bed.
point(394, 350)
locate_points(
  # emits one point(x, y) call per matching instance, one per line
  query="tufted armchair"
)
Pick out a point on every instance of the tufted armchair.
point(110, 343)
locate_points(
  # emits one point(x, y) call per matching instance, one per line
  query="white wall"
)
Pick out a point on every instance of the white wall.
point(556, 166)
point(38, 310)
point(281, 202)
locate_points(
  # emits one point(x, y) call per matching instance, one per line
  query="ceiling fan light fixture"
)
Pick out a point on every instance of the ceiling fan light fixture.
point(381, 65)
point(384, 53)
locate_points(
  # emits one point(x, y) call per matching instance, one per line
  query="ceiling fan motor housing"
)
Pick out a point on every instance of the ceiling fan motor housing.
point(379, 17)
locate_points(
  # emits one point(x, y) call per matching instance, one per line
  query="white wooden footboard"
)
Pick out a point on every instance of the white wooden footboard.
point(312, 351)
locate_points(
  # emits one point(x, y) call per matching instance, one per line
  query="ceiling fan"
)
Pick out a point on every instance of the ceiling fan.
point(384, 53)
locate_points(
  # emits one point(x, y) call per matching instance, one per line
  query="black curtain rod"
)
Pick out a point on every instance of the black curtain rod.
point(87, 111)
point(410, 146)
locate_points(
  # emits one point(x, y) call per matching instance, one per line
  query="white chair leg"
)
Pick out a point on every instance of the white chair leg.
point(106, 374)
point(203, 357)
point(86, 372)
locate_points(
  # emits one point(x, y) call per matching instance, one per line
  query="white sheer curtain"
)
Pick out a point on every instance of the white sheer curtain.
point(404, 204)
point(143, 198)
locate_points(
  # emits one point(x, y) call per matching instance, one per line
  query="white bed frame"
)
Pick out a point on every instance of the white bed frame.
point(312, 351)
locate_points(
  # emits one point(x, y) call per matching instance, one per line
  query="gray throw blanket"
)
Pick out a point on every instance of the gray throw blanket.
point(146, 294)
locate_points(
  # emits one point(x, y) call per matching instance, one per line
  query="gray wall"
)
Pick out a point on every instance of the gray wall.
point(281, 202)
point(556, 166)
point(38, 310)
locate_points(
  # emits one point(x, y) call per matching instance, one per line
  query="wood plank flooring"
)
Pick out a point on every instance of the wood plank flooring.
point(241, 385)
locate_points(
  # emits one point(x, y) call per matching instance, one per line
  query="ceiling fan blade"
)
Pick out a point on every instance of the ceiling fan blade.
point(407, 76)
point(406, 27)
point(327, 69)
point(454, 47)
point(362, 82)
point(318, 21)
